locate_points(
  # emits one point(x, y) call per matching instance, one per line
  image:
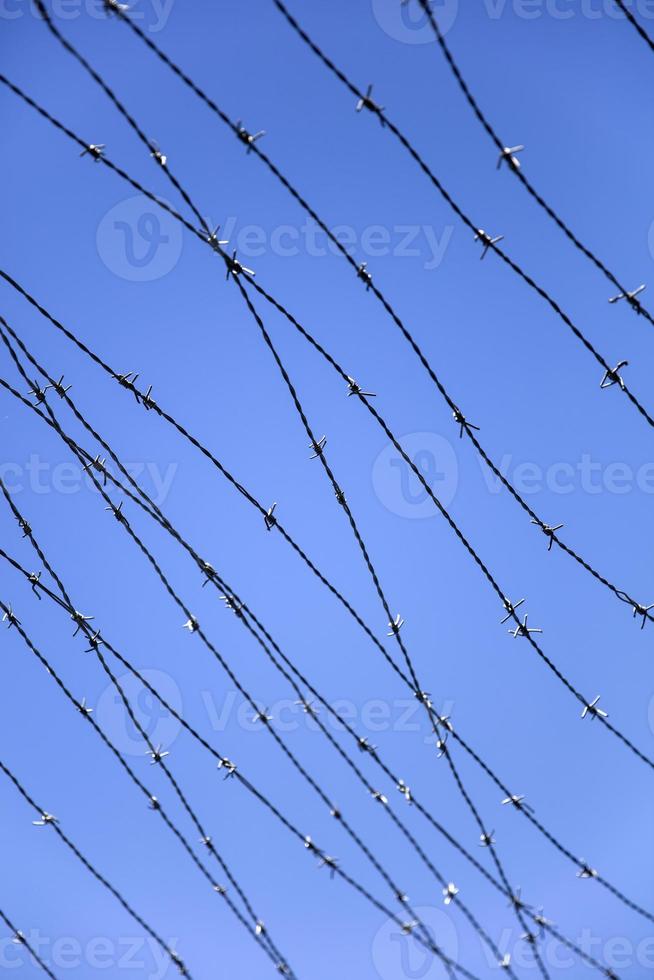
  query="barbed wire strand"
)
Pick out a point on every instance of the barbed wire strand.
point(243, 611)
point(621, 594)
point(518, 172)
point(262, 938)
point(466, 796)
point(148, 144)
point(371, 285)
point(511, 263)
point(422, 935)
point(129, 386)
point(632, 20)
point(152, 509)
point(152, 749)
point(373, 752)
point(20, 940)
point(170, 953)
point(120, 172)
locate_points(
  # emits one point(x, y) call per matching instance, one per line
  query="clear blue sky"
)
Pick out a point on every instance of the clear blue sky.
point(577, 91)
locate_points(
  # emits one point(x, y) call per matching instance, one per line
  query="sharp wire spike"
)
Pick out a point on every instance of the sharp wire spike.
point(523, 630)
point(508, 156)
point(488, 242)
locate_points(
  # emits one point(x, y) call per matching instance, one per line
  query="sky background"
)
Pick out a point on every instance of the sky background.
point(571, 81)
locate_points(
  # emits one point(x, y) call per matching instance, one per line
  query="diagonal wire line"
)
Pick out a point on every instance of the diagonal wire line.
point(638, 608)
point(467, 545)
point(173, 956)
point(406, 143)
point(632, 20)
point(20, 940)
point(244, 613)
point(235, 269)
point(371, 286)
point(236, 772)
point(267, 947)
point(422, 935)
point(526, 183)
point(36, 583)
point(337, 490)
point(62, 128)
point(140, 398)
point(96, 640)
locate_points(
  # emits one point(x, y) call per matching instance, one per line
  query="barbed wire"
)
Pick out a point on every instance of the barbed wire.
point(20, 939)
point(421, 933)
point(465, 426)
point(373, 752)
point(632, 20)
point(96, 641)
point(261, 935)
point(488, 770)
point(337, 490)
point(517, 171)
point(244, 613)
point(491, 244)
point(371, 286)
point(235, 269)
point(47, 819)
point(394, 624)
point(172, 212)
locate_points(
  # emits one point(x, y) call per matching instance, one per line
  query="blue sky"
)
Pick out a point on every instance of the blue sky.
point(576, 90)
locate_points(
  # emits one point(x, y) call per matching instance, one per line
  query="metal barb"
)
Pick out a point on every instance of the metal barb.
point(631, 298)
point(508, 155)
point(523, 630)
point(395, 626)
point(95, 150)
point(549, 530)
point(450, 893)
point(518, 802)
point(248, 138)
point(234, 267)
point(366, 102)
point(9, 618)
point(364, 275)
point(462, 422)
point(592, 710)
point(612, 377)
point(510, 609)
point(318, 447)
point(269, 519)
point(488, 241)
